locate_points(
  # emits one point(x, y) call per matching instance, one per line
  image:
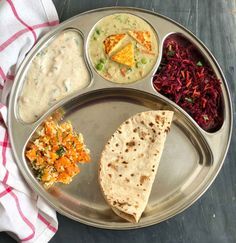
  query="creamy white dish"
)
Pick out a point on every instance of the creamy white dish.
point(56, 72)
point(120, 26)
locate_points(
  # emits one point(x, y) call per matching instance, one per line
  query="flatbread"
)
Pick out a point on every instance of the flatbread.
point(143, 38)
point(130, 160)
point(125, 56)
point(112, 41)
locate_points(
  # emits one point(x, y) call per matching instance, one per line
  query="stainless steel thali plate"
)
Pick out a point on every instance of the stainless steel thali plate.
point(191, 159)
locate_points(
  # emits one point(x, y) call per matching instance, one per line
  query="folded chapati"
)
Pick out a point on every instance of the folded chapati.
point(130, 160)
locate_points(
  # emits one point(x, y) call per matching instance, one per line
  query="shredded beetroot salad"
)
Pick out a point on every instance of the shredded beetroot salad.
point(191, 84)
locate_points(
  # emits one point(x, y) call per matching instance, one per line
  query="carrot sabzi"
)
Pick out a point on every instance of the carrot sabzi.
point(54, 155)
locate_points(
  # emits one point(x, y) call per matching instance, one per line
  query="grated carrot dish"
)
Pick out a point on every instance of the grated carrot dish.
point(54, 155)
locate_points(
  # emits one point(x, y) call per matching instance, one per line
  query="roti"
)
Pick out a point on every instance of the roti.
point(130, 160)
point(125, 56)
point(112, 41)
point(143, 38)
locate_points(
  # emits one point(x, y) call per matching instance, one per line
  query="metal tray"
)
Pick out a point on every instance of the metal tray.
point(191, 159)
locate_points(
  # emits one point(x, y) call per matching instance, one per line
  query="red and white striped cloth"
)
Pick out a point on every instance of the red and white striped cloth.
point(23, 214)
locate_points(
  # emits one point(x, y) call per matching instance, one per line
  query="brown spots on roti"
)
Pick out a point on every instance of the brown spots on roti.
point(136, 157)
point(151, 124)
point(141, 155)
point(143, 134)
point(114, 167)
point(121, 204)
point(130, 144)
point(158, 118)
point(167, 129)
point(143, 178)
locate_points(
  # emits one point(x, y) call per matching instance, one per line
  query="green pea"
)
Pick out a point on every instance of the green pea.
point(138, 64)
point(144, 60)
point(99, 66)
point(103, 60)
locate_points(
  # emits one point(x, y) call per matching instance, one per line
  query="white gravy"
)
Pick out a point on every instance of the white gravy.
point(56, 72)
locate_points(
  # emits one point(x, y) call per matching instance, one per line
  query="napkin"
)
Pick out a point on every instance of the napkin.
point(23, 214)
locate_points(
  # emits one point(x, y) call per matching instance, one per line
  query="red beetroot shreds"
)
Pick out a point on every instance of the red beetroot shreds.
point(191, 84)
